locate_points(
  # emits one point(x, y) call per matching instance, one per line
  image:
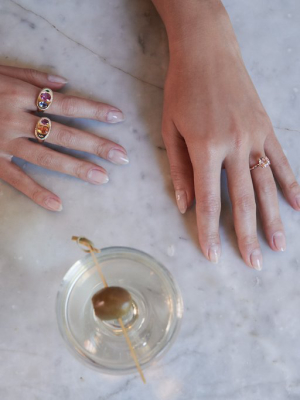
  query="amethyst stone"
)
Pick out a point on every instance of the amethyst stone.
point(45, 96)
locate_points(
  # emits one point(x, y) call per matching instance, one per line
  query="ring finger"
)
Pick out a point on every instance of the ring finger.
point(244, 209)
point(266, 192)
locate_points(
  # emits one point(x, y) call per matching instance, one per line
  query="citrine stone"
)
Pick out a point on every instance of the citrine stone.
point(42, 131)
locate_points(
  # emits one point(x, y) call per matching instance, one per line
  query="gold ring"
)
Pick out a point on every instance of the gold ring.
point(42, 129)
point(263, 162)
point(44, 99)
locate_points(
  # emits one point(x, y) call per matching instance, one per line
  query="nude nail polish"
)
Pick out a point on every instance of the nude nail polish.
point(57, 79)
point(97, 177)
point(115, 116)
point(53, 204)
point(214, 254)
point(256, 259)
point(117, 157)
point(181, 200)
point(279, 241)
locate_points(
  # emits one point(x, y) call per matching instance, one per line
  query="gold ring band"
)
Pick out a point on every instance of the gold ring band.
point(263, 162)
point(44, 99)
point(42, 129)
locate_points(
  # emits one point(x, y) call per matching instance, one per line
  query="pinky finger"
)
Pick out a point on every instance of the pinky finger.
point(13, 175)
point(283, 171)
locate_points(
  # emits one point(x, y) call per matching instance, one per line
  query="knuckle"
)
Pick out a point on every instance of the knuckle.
point(65, 137)
point(176, 173)
point(31, 74)
point(274, 222)
point(294, 186)
point(209, 205)
point(101, 149)
point(100, 112)
point(212, 237)
point(69, 106)
point(283, 162)
point(240, 141)
point(264, 123)
point(44, 159)
point(248, 240)
point(211, 148)
point(37, 196)
point(79, 170)
point(245, 203)
point(268, 189)
point(14, 180)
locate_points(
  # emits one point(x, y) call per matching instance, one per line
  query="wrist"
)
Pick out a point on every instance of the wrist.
point(196, 27)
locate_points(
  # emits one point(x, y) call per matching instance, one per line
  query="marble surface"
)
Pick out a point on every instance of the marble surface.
point(240, 336)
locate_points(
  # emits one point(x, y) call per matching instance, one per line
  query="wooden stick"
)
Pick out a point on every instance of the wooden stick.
point(132, 351)
point(98, 267)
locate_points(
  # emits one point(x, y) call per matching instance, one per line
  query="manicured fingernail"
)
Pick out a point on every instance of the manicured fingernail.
point(256, 259)
point(96, 176)
point(115, 116)
point(279, 241)
point(117, 157)
point(56, 79)
point(53, 204)
point(181, 200)
point(214, 254)
point(298, 201)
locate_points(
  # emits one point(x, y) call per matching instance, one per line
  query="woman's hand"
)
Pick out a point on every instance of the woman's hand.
point(19, 89)
point(213, 117)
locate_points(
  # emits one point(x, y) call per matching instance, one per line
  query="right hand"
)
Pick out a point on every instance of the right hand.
point(19, 89)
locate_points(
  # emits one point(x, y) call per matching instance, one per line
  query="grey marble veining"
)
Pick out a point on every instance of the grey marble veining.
point(240, 332)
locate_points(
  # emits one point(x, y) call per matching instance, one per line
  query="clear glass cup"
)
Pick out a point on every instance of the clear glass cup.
point(152, 322)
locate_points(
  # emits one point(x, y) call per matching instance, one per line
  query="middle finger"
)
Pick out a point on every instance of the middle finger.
point(266, 192)
point(75, 139)
point(72, 106)
point(244, 208)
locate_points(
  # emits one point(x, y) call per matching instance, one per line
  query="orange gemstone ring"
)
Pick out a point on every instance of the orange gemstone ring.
point(42, 129)
point(263, 162)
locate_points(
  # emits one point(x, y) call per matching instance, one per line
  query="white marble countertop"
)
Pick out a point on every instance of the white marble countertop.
point(240, 337)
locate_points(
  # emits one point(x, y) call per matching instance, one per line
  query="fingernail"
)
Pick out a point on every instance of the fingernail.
point(181, 200)
point(53, 204)
point(117, 157)
point(96, 176)
point(214, 254)
point(56, 79)
point(279, 241)
point(256, 259)
point(298, 201)
point(115, 116)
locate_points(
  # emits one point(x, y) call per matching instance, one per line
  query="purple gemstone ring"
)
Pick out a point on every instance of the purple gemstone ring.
point(44, 99)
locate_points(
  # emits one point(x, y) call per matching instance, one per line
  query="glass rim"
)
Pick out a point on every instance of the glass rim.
point(65, 289)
